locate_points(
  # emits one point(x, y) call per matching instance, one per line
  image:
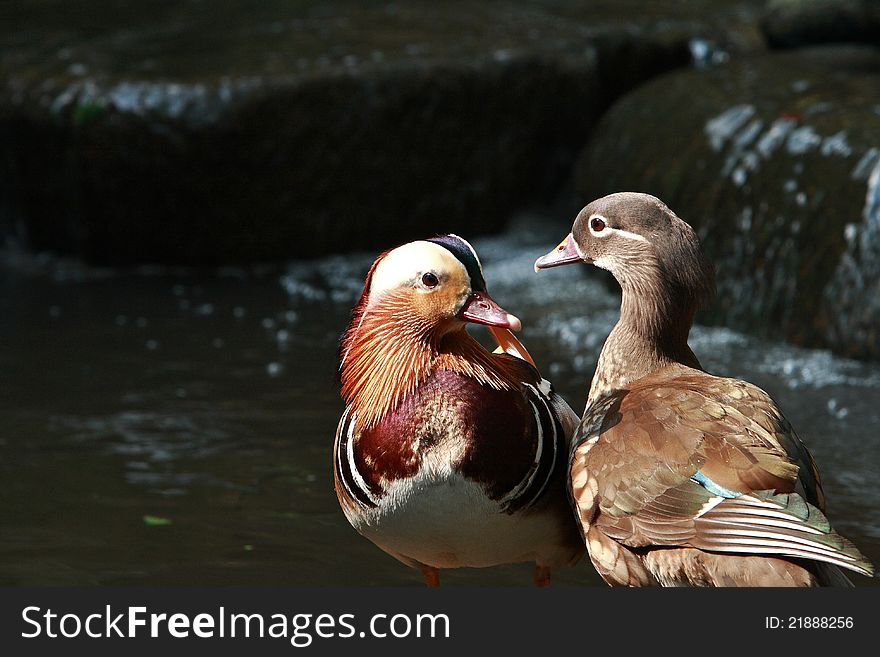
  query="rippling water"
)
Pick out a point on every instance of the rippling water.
point(166, 426)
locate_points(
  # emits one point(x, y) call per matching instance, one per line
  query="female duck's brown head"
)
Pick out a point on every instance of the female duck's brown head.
point(648, 249)
point(411, 319)
point(655, 256)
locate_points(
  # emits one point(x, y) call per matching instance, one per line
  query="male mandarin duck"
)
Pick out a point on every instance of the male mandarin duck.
point(678, 477)
point(447, 455)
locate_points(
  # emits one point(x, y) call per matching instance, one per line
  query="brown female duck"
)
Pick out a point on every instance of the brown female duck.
point(678, 477)
point(447, 455)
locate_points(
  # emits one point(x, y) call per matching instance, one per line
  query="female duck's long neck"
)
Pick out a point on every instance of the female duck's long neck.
point(652, 332)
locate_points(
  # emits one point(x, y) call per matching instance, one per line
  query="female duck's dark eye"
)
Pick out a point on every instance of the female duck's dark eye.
point(597, 225)
point(430, 280)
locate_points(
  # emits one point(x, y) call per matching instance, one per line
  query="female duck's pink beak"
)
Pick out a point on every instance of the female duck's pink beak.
point(564, 254)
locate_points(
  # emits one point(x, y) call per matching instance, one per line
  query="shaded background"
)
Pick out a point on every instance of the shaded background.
point(191, 193)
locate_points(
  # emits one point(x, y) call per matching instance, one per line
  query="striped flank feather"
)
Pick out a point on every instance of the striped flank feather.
point(784, 525)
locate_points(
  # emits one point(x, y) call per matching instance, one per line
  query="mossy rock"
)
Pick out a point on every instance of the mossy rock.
point(796, 23)
point(775, 160)
point(200, 133)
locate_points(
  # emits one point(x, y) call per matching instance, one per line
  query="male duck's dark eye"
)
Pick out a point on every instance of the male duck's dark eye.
point(597, 225)
point(430, 280)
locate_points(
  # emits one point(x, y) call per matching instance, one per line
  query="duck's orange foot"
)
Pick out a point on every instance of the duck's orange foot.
point(541, 576)
point(431, 575)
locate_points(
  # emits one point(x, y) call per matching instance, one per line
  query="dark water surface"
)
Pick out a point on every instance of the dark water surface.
point(175, 427)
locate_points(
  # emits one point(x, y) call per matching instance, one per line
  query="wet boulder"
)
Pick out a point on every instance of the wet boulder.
point(794, 23)
point(775, 160)
point(174, 132)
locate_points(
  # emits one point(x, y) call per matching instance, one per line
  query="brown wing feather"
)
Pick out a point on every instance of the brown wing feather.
point(655, 436)
point(776, 524)
point(637, 450)
point(754, 421)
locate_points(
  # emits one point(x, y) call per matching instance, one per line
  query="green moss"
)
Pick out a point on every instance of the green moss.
point(87, 112)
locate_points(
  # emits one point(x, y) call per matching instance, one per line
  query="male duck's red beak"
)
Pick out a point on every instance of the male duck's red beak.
point(481, 309)
point(564, 254)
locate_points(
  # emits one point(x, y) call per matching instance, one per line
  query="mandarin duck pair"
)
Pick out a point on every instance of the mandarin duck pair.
point(450, 456)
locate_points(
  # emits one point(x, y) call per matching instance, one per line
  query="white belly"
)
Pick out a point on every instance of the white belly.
point(439, 518)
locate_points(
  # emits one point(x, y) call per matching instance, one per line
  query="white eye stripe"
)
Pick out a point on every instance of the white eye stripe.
point(628, 235)
point(607, 230)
